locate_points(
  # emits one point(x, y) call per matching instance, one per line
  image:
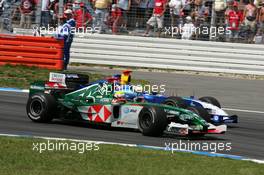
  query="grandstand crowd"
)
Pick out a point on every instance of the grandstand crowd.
point(242, 21)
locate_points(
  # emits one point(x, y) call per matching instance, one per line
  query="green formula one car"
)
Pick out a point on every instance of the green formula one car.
point(61, 97)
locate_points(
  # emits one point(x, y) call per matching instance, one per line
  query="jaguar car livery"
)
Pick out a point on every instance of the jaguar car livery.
point(61, 97)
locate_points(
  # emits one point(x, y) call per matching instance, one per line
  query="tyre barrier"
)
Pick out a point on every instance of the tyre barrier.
point(43, 52)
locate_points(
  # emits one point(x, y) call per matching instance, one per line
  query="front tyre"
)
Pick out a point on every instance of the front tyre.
point(211, 100)
point(41, 107)
point(201, 112)
point(152, 121)
point(175, 102)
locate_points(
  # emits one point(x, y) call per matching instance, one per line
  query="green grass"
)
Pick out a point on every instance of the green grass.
point(17, 157)
point(22, 76)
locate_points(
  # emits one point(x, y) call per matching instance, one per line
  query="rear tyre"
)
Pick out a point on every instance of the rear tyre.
point(175, 101)
point(211, 100)
point(152, 121)
point(201, 112)
point(41, 107)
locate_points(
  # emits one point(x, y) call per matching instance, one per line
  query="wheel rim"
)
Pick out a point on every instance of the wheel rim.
point(36, 107)
point(146, 120)
point(171, 104)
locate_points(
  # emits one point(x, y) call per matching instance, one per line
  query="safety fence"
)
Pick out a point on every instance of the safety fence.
point(162, 53)
point(206, 19)
point(43, 52)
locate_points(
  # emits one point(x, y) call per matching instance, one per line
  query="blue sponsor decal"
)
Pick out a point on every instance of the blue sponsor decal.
point(127, 110)
point(133, 110)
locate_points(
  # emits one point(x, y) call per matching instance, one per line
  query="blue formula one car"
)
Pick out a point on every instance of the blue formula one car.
point(207, 107)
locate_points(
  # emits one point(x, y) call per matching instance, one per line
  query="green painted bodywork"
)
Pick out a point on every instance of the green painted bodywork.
point(38, 86)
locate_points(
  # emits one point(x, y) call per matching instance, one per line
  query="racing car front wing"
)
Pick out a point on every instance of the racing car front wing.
point(185, 129)
point(216, 119)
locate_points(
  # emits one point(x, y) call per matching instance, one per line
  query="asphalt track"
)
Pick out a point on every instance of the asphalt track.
point(246, 138)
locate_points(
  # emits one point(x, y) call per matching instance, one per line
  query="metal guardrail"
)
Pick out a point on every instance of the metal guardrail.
point(162, 53)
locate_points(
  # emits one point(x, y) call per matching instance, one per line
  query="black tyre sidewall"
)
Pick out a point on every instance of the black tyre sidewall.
point(48, 107)
point(158, 124)
point(211, 100)
point(201, 112)
point(175, 101)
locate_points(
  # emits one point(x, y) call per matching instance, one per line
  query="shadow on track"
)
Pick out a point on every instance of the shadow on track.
point(107, 127)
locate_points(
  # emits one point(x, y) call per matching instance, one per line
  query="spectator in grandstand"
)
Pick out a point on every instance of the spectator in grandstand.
point(188, 29)
point(201, 21)
point(187, 7)
point(124, 6)
point(2, 3)
point(234, 18)
point(68, 5)
point(82, 17)
point(198, 4)
point(26, 10)
point(204, 11)
point(115, 18)
point(157, 18)
point(88, 5)
point(150, 7)
point(130, 19)
point(1, 13)
point(220, 9)
point(76, 5)
point(101, 14)
point(250, 14)
point(176, 12)
point(65, 32)
point(7, 9)
point(258, 39)
point(13, 11)
point(45, 13)
point(142, 11)
point(261, 16)
point(201, 12)
point(54, 11)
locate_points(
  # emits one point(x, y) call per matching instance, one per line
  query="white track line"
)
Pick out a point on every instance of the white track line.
point(244, 110)
point(255, 160)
